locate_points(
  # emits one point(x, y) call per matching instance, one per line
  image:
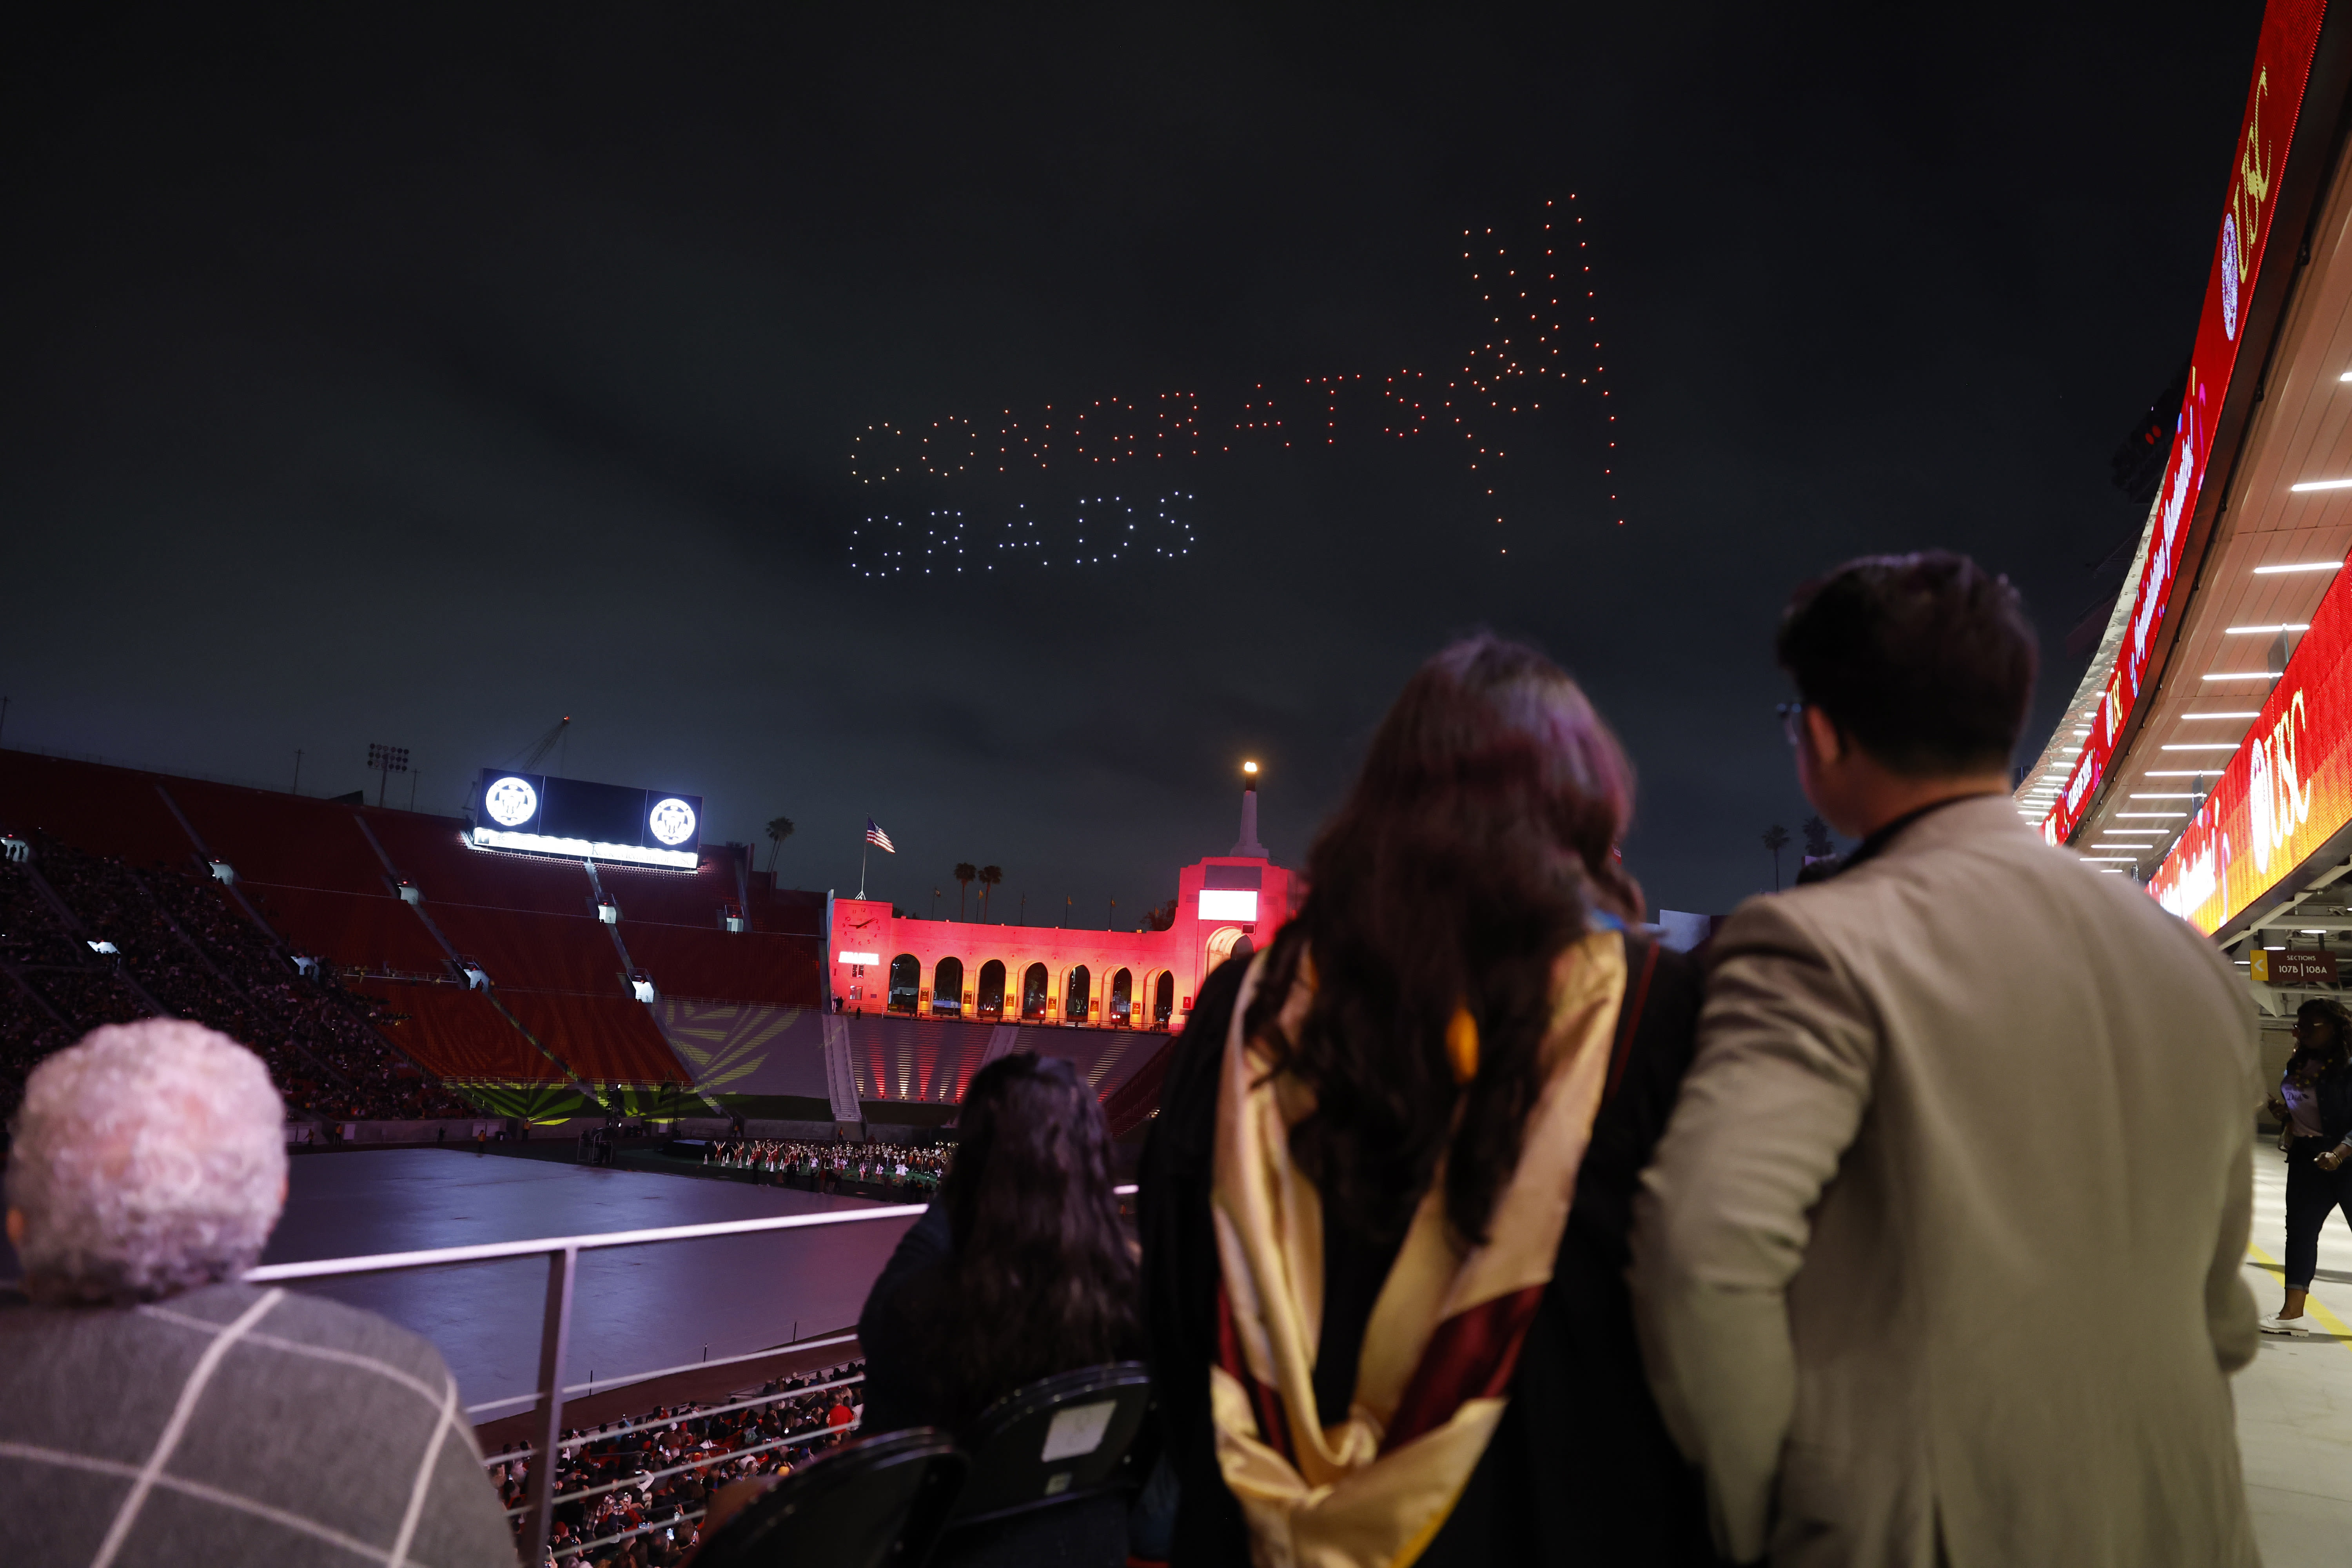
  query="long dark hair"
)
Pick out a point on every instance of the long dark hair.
point(1042, 1280)
point(2308, 1051)
point(1478, 840)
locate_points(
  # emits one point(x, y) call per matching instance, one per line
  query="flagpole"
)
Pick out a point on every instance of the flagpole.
point(864, 850)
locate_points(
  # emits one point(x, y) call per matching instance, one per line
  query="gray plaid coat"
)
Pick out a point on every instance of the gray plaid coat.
point(234, 1424)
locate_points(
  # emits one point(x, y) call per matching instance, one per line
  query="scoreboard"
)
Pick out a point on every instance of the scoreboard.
point(541, 814)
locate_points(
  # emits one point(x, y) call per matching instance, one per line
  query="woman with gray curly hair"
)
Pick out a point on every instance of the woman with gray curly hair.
point(155, 1408)
point(147, 1160)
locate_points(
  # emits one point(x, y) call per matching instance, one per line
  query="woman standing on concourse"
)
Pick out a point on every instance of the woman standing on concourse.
point(2315, 1102)
point(1384, 1206)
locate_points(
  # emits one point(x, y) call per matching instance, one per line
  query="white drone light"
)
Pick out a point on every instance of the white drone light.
point(511, 802)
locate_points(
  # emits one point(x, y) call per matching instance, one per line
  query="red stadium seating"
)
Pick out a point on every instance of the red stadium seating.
point(459, 1034)
point(431, 852)
point(723, 966)
point(534, 952)
point(674, 898)
point(350, 930)
point(605, 1039)
point(279, 838)
point(105, 810)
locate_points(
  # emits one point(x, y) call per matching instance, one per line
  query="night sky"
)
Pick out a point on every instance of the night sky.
point(392, 378)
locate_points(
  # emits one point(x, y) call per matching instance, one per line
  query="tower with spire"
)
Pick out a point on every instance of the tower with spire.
point(1248, 844)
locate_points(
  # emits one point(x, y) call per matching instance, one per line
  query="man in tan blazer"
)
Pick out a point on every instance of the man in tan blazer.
point(1942, 1099)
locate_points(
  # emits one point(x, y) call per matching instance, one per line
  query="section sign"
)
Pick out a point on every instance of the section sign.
point(2282, 71)
point(2286, 792)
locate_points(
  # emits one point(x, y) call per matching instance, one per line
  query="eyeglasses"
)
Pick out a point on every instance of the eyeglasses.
point(1793, 716)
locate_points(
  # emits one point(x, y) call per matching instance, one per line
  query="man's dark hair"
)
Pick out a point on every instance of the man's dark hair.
point(1925, 660)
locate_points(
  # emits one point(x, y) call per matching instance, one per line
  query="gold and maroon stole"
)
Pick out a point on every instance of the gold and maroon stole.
point(1445, 1333)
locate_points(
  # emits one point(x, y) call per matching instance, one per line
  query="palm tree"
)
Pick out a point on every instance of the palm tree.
point(989, 876)
point(1776, 838)
point(778, 829)
point(965, 872)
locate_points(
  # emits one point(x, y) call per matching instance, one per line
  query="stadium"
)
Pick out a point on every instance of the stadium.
point(408, 978)
point(541, 1180)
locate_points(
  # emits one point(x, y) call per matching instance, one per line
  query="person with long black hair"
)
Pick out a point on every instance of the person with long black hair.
point(1021, 1270)
point(1384, 1205)
point(2313, 1103)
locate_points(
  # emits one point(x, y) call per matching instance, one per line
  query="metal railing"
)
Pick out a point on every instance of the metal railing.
point(562, 1255)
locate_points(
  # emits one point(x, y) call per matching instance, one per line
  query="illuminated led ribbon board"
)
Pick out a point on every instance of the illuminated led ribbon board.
point(2286, 792)
point(536, 815)
point(2275, 100)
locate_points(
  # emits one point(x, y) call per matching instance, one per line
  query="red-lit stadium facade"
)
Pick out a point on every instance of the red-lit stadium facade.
point(2209, 749)
point(542, 986)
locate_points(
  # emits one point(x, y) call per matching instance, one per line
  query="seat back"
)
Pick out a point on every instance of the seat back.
point(1058, 1438)
point(870, 1504)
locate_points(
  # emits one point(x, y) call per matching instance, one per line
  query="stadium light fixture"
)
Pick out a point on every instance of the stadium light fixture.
point(2239, 675)
point(2260, 631)
point(586, 849)
point(2202, 746)
point(2309, 485)
point(2249, 713)
point(2299, 565)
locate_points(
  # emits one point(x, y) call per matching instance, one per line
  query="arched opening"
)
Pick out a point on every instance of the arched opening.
point(1227, 941)
point(1163, 998)
point(1122, 1000)
point(946, 987)
point(906, 982)
point(990, 994)
point(1033, 990)
point(1075, 996)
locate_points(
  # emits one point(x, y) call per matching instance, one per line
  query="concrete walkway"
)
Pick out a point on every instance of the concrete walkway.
point(2294, 1402)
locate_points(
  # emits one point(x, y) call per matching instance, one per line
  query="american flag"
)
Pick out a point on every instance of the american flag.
point(874, 835)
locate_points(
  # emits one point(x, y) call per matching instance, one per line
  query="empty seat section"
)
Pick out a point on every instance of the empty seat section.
point(431, 852)
point(280, 838)
point(107, 811)
point(534, 952)
point(722, 966)
point(378, 933)
point(674, 898)
point(1104, 1058)
point(457, 1034)
point(915, 1058)
point(606, 1039)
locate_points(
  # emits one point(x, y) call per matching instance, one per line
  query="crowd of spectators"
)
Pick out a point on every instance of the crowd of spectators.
point(633, 1491)
point(168, 942)
point(824, 1167)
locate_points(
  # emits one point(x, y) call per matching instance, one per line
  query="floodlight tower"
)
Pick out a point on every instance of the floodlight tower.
point(387, 760)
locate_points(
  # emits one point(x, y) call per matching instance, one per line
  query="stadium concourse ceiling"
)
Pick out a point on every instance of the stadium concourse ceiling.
point(2259, 535)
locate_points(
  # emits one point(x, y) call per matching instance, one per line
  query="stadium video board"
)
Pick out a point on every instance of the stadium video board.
point(2286, 793)
point(584, 821)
